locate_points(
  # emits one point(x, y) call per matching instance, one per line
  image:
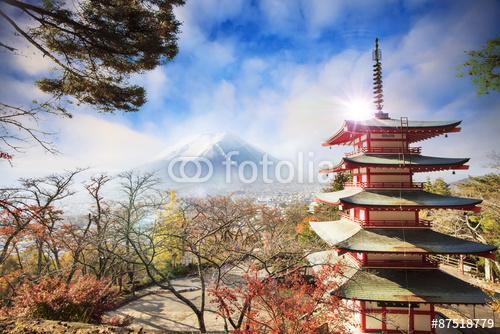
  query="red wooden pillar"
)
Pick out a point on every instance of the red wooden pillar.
point(384, 319)
point(411, 320)
point(362, 312)
point(433, 315)
point(368, 176)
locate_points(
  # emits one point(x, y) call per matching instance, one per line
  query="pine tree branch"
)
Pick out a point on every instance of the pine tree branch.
point(37, 45)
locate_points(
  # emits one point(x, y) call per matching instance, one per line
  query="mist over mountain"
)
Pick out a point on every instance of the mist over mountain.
point(208, 163)
point(206, 158)
point(215, 146)
point(218, 163)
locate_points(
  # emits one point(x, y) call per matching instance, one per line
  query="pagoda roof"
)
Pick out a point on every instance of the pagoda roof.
point(399, 285)
point(395, 198)
point(417, 130)
point(416, 162)
point(410, 285)
point(316, 259)
point(335, 196)
point(396, 123)
point(348, 235)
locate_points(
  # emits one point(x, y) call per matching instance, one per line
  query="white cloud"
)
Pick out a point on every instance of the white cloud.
point(321, 14)
point(27, 58)
point(85, 141)
point(32, 61)
point(156, 84)
point(311, 17)
point(280, 15)
point(19, 91)
point(420, 82)
point(198, 17)
point(283, 105)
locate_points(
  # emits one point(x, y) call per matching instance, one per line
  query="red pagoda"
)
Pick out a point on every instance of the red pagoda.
point(387, 249)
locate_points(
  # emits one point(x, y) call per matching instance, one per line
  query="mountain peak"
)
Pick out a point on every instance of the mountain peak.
point(208, 154)
point(217, 137)
point(209, 144)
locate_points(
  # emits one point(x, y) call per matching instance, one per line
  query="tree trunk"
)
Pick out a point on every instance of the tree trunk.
point(39, 258)
point(201, 322)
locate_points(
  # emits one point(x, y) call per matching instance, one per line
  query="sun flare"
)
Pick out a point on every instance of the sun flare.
point(358, 108)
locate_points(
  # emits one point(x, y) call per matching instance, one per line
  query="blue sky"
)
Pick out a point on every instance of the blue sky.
point(283, 75)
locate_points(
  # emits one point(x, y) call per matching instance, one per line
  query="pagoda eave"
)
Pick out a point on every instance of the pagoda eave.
point(416, 130)
point(341, 136)
point(430, 168)
point(397, 207)
point(395, 161)
point(390, 199)
point(403, 198)
point(349, 236)
point(345, 205)
point(319, 200)
point(412, 251)
point(394, 125)
point(412, 168)
point(398, 285)
point(410, 286)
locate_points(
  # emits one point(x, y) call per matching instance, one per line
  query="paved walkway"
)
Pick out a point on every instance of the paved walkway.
point(161, 310)
point(467, 278)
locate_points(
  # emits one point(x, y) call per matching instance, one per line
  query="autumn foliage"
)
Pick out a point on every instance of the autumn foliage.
point(293, 303)
point(5, 156)
point(84, 299)
point(60, 266)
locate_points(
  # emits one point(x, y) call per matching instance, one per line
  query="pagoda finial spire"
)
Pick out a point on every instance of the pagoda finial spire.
point(378, 91)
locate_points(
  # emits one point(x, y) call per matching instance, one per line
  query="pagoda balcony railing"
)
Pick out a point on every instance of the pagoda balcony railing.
point(458, 262)
point(388, 263)
point(374, 223)
point(411, 185)
point(398, 223)
point(399, 264)
point(391, 150)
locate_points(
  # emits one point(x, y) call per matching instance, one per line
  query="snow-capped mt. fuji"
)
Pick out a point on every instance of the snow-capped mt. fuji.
point(215, 147)
point(215, 162)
